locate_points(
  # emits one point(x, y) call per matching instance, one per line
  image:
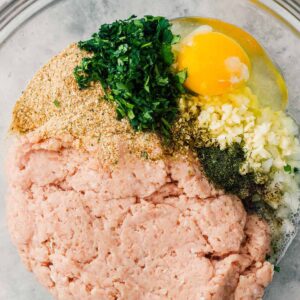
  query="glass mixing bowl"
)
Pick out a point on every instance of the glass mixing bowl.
point(32, 31)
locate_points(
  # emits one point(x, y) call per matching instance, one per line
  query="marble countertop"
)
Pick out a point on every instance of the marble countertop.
point(53, 28)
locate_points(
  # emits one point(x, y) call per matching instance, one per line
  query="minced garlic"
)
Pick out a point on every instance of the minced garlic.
point(268, 137)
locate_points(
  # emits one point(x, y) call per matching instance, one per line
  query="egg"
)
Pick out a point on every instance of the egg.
point(220, 57)
point(216, 63)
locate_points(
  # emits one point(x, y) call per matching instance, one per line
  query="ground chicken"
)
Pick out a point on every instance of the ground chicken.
point(141, 229)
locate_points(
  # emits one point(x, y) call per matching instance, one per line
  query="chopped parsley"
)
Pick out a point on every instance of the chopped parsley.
point(144, 154)
point(288, 169)
point(56, 103)
point(277, 269)
point(133, 60)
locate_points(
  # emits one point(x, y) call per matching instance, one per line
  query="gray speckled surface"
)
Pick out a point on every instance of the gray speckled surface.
point(52, 29)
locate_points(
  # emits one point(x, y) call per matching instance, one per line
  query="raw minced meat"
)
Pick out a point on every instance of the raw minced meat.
point(141, 229)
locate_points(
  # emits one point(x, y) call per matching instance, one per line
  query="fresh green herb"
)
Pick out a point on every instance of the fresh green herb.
point(222, 167)
point(56, 103)
point(277, 269)
point(288, 169)
point(296, 170)
point(145, 154)
point(133, 60)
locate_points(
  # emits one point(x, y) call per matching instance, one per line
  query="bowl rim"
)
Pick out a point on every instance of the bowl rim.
point(287, 11)
point(14, 13)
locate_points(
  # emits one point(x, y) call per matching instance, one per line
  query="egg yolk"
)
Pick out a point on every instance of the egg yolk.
point(215, 63)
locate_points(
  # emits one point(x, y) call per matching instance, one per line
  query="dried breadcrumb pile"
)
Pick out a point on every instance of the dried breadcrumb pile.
point(53, 105)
